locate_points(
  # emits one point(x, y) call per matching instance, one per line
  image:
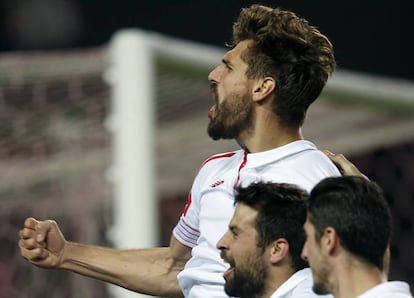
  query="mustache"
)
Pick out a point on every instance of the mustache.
point(214, 91)
point(224, 257)
point(213, 87)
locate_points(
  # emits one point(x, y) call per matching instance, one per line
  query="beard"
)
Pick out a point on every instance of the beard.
point(248, 280)
point(232, 116)
point(321, 279)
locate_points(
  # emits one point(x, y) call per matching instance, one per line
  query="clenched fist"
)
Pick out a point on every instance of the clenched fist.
point(42, 243)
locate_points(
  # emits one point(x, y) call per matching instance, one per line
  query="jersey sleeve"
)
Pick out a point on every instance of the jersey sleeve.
point(186, 231)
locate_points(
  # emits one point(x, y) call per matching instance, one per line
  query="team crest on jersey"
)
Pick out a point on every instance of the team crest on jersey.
point(217, 183)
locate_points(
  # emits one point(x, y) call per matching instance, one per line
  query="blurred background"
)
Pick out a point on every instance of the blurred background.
point(56, 101)
point(369, 36)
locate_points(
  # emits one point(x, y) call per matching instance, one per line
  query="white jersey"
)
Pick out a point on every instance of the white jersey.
point(299, 285)
point(210, 204)
point(391, 289)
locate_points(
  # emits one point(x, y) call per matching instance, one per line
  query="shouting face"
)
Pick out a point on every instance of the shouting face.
point(232, 112)
point(248, 273)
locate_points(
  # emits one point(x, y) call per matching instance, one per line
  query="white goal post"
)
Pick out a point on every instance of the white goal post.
point(130, 75)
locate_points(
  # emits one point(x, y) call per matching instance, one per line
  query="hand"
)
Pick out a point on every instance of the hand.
point(42, 243)
point(346, 167)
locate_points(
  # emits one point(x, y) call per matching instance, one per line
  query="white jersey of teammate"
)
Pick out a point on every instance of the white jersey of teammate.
point(299, 285)
point(210, 205)
point(391, 289)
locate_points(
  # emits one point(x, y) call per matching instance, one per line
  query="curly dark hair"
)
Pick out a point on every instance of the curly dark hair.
point(287, 48)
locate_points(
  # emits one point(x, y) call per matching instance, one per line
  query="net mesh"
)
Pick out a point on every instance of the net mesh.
point(54, 150)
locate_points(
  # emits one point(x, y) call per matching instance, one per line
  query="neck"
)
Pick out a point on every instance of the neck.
point(354, 278)
point(268, 134)
point(277, 277)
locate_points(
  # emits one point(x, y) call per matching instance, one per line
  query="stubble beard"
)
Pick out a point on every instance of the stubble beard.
point(233, 116)
point(248, 280)
point(321, 280)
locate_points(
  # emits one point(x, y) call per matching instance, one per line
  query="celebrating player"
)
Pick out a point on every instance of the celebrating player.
point(277, 67)
point(264, 241)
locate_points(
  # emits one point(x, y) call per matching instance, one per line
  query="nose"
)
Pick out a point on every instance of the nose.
point(304, 254)
point(222, 243)
point(214, 75)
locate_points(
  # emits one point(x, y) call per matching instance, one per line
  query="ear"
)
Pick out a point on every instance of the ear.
point(262, 88)
point(279, 250)
point(330, 240)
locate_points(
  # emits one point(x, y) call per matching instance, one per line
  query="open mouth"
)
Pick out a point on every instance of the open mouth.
point(214, 95)
point(211, 111)
point(228, 272)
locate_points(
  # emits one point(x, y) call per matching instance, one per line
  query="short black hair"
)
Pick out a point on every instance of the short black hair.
point(357, 209)
point(281, 214)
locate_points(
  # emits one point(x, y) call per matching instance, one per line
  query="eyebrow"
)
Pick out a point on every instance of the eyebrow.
point(226, 62)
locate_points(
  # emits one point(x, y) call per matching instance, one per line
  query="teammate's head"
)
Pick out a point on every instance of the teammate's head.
point(266, 232)
point(287, 48)
point(353, 212)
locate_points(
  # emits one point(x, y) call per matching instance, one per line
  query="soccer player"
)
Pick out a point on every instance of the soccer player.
point(348, 229)
point(264, 241)
point(276, 68)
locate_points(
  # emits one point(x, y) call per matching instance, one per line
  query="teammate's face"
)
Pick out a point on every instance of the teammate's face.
point(312, 252)
point(232, 112)
point(247, 274)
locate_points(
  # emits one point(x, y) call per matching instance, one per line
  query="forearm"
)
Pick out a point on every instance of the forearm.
point(148, 271)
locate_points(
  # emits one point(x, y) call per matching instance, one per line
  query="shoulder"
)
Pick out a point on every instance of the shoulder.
point(313, 161)
point(395, 289)
point(216, 166)
point(222, 158)
point(304, 288)
point(299, 285)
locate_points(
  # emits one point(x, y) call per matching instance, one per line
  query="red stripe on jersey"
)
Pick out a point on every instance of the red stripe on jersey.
point(242, 165)
point(230, 154)
point(189, 199)
point(187, 205)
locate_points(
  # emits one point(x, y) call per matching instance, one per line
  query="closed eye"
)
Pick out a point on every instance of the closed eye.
point(227, 64)
point(234, 231)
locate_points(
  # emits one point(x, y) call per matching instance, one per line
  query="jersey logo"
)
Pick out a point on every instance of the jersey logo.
point(217, 183)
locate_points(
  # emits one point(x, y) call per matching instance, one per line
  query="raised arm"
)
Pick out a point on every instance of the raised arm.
point(151, 271)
